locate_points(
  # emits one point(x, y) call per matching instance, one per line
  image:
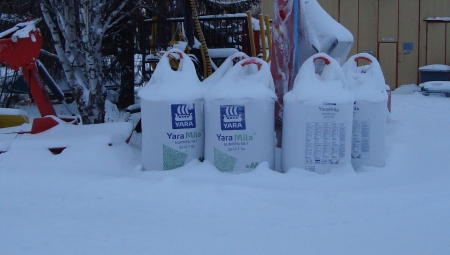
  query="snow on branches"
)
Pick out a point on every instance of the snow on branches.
point(78, 28)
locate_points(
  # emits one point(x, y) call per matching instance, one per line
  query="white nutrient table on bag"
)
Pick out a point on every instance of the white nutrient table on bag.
point(361, 139)
point(325, 143)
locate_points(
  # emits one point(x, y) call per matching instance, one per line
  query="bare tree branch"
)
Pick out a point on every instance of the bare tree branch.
point(107, 24)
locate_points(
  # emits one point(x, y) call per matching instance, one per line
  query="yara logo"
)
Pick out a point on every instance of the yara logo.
point(183, 116)
point(232, 117)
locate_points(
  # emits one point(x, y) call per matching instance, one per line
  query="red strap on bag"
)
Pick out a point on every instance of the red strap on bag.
point(327, 61)
point(251, 61)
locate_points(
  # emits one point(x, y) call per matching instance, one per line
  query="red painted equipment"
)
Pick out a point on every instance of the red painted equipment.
point(20, 47)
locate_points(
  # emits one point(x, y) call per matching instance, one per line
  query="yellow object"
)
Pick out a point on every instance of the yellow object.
point(12, 117)
point(207, 68)
point(269, 38)
point(250, 33)
point(153, 41)
point(174, 62)
point(262, 34)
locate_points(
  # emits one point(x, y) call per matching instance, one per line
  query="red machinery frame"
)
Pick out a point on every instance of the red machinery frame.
point(20, 47)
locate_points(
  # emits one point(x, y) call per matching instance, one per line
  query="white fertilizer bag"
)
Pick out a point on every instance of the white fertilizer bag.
point(172, 115)
point(369, 112)
point(223, 69)
point(239, 118)
point(317, 122)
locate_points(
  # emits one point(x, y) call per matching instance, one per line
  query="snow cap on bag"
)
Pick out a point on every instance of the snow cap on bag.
point(312, 88)
point(249, 78)
point(223, 69)
point(322, 30)
point(366, 82)
point(167, 84)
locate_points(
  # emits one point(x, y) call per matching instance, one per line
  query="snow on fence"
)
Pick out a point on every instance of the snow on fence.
point(220, 32)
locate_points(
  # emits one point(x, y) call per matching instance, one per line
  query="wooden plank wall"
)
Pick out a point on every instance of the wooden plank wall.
point(397, 21)
point(375, 23)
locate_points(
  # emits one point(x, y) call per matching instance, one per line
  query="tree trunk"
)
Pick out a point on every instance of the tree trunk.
point(126, 60)
point(94, 112)
point(77, 29)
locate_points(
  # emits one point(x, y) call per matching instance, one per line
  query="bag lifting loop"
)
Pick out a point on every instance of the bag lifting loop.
point(363, 58)
point(179, 53)
point(252, 61)
point(327, 61)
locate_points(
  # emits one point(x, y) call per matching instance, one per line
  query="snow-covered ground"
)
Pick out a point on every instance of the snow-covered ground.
point(94, 199)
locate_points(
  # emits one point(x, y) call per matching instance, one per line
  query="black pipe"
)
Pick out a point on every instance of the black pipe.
point(51, 84)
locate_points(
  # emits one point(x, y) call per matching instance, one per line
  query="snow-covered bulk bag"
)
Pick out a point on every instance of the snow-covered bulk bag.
point(223, 69)
point(317, 120)
point(369, 112)
point(239, 123)
point(172, 115)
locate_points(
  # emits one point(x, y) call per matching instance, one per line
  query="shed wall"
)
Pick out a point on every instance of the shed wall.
point(384, 27)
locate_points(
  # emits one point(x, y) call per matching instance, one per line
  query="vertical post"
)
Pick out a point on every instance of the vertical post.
point(153, 41)
point(250, 33)
point(262, 33)
point(37, 90)
point(269, 37)
point(126, 60)
point(283, 56)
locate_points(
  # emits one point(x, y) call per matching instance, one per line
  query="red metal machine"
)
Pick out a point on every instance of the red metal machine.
point(20, 47)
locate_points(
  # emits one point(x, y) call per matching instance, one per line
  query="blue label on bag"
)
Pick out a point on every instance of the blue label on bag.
point(183, 116)
point(232, 117)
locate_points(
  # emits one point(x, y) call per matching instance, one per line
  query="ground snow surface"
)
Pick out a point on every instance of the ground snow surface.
point(94, 199)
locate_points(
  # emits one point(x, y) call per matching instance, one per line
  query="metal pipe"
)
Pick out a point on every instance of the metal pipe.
point(269, 38)
point(250, 33)
point(262, 33)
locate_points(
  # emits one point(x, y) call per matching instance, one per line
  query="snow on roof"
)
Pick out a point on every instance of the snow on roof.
point(435, 67)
